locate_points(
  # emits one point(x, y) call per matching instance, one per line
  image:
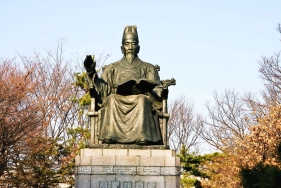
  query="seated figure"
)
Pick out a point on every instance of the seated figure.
point(127, 92)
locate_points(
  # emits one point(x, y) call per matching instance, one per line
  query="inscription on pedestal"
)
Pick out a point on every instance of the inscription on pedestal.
point(139, 184)
point(115, 184)
point(127, 184)
point(151, 185)
point(103, 184)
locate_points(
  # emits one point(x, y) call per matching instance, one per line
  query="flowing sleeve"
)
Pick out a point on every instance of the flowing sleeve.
point(152, 74)
point(156, 94)
point(103, 84)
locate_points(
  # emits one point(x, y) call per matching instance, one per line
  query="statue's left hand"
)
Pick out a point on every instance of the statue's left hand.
point(90, 64)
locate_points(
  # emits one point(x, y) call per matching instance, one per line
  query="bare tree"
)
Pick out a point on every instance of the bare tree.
point(41, 90)
point(55, 92)
point(228, 120)
point(270, 73)
point(183, 125)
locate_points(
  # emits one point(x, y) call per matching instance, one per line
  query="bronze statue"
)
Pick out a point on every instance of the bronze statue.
point(128, 94)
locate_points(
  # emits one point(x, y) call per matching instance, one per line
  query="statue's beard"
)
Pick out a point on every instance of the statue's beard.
point(130, 56)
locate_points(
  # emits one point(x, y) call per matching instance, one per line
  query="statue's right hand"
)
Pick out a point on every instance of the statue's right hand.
point(90, 64)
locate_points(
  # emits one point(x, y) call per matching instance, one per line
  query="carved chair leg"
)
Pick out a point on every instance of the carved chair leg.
point(165, 120)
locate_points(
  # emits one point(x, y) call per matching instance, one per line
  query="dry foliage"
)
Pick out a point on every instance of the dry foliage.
point(19, 112)
point(259, 146)
point(38, 104)
point(223, 172)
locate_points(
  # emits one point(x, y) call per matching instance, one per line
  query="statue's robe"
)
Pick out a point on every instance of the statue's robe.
point(127, 115)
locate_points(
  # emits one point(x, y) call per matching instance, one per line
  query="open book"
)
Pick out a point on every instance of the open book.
point(134, 86)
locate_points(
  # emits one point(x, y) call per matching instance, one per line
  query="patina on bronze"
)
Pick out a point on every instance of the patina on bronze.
point(127, 94)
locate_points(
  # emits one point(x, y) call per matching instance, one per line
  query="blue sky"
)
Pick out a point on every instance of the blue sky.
point(204, 45)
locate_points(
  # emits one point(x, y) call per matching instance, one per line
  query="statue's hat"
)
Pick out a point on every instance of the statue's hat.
point(130, 32)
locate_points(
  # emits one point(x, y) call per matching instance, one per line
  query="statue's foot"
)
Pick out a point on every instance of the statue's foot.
point(109, 140)
point(141, 141)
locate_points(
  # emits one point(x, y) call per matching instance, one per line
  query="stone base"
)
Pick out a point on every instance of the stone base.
point(127, 168)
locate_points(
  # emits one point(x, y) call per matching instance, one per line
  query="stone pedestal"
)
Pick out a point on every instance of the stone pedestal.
point(127, 168)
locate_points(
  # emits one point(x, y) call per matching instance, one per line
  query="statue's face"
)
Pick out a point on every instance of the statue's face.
point(130, 46)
